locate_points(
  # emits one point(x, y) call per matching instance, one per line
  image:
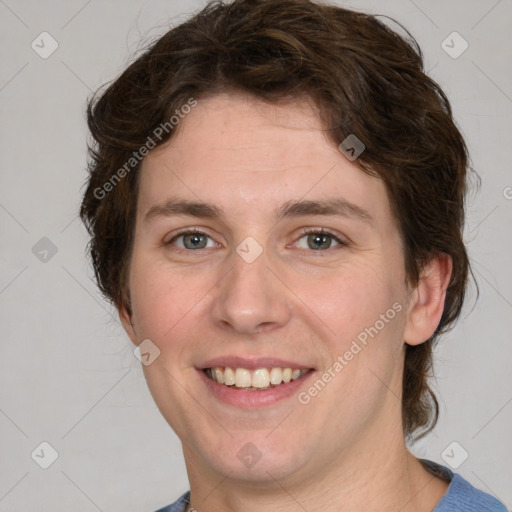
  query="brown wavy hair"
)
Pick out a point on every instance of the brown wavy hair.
point(365, 79)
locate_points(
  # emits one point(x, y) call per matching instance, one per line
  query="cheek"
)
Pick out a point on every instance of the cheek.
point(351, 299)
point(161, 299)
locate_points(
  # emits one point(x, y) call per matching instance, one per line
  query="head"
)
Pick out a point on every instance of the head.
point(241, 111)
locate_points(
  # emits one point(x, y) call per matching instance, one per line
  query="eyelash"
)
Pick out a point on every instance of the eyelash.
point(323, 231)
point(304, 232)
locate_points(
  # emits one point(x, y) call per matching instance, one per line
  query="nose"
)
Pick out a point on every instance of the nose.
point(251, 298)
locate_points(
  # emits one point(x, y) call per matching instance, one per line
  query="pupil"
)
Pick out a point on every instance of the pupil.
point(195, 241)
point(318, 241)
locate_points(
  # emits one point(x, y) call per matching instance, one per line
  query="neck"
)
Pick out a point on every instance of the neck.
point(386, 478)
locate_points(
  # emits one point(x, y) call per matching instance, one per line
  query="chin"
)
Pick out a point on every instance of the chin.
point(256, 458)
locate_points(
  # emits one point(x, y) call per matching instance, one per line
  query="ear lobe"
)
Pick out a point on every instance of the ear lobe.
point(427, 300)
point(126, 320)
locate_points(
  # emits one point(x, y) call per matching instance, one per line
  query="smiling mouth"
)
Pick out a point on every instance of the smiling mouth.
point(259, 379)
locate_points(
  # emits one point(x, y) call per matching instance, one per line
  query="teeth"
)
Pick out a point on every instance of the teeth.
point(219, 376)
point(276, 376)
point(229, 376)
point(295, 374)
point(261, 378)
point(242, 378)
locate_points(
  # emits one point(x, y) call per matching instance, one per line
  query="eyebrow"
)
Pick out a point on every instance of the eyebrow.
point(334, 207)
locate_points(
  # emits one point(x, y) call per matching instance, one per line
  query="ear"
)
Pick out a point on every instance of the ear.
point(427, 300)
point(126, 319)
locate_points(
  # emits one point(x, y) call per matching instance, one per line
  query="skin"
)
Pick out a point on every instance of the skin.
point(346, 446)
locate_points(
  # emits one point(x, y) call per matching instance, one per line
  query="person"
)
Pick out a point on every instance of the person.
point(276, 201)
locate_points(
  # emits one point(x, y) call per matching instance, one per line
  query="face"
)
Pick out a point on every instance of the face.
point(259, 245)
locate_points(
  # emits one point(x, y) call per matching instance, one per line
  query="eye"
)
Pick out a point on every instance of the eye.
point(318, 240)
point(192, 240)
point(315, 239)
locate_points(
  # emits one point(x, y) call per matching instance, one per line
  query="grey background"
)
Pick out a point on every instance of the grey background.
point(67, 370)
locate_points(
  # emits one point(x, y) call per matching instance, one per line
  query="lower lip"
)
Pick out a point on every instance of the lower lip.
point(254, 399)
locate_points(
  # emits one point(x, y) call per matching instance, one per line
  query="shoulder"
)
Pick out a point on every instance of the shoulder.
point(178, 506)
point(461, 496)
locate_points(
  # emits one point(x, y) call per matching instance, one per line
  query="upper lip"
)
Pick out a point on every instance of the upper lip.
point(253, 363)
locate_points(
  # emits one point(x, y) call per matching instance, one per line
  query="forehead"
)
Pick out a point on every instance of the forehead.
point(238, 152)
